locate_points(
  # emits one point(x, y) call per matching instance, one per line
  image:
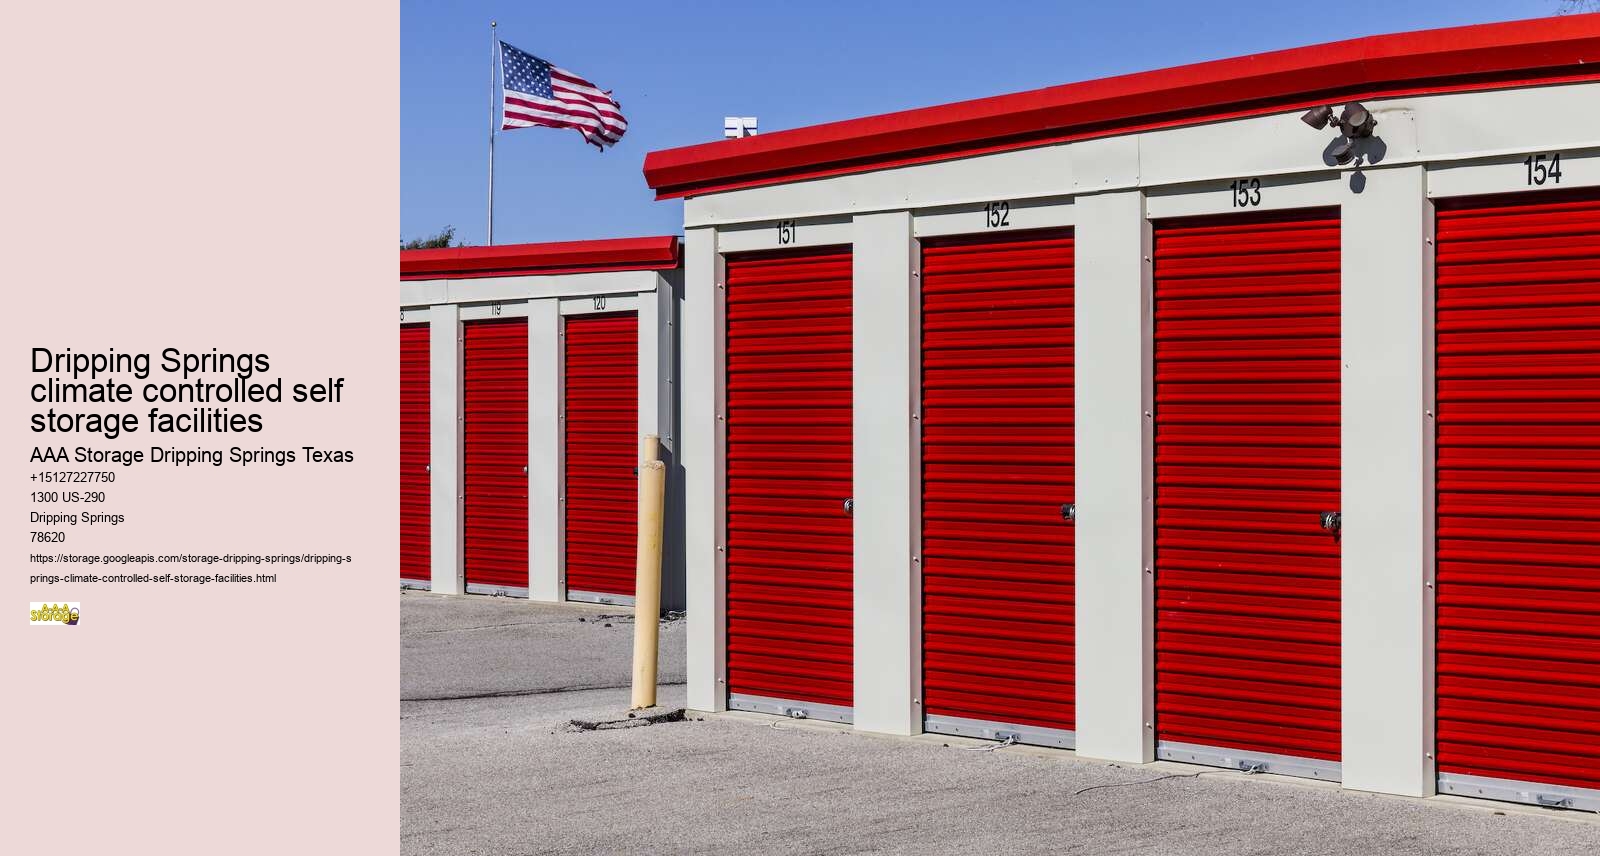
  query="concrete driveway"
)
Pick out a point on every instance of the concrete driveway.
point(491, 765)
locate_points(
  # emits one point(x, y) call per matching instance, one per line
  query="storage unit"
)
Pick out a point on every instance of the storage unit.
point(789, 533)
point(1518, 329)
point(997, 606)
point(1246, 466)
point(416, 570)
point(495, 437)
point(602, 455)
point(531, 371)
point(1245, 440)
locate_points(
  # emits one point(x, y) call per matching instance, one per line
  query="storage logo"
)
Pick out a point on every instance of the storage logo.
point(53, 614)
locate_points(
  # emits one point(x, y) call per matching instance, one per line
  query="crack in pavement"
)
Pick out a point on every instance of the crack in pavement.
point(666, 622)
point(633, 721)
point(536, 692)
point(480, 627)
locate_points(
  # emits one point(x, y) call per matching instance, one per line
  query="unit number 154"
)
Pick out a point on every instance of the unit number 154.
point(1543, 168)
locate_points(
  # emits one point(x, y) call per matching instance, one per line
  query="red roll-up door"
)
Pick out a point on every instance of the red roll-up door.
point(415, 431)
point(997, 476)
point(790, 545)
point(1518, 338)
point(1246, 460)
point(495, 366)
point(602, 452)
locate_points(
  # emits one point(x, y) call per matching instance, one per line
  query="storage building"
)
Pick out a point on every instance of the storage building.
point(528, 374)
point(1158, 418)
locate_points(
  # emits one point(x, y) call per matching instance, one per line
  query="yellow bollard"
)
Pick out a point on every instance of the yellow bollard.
point(650, 448)
point(647, 583)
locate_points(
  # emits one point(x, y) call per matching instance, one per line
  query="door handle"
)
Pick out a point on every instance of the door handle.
point(1331, 521)
point(849, 507)
point(1069, 512)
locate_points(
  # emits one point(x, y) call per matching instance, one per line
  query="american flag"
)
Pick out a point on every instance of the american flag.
point(534, 92)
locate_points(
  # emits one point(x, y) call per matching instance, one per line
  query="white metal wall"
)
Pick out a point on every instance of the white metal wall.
point(1426, 147)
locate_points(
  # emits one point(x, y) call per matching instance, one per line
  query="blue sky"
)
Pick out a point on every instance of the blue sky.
point(679, 68)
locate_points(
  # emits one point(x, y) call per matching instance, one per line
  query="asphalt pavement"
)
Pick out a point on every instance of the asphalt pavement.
point(492, 763)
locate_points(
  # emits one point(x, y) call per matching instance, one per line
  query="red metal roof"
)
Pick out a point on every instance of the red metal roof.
point(655, 253)
point(1563, 48)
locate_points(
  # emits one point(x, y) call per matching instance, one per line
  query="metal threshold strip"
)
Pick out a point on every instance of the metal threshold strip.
point(498, 591)
point(1033, 735)
point(420, 585)
point(790, 708)
point(1251, 762)
point(596, 597)
point(1509, 790)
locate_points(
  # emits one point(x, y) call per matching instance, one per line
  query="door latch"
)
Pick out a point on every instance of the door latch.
point(1069, 511)
point(1331, 521)
point(849, 507)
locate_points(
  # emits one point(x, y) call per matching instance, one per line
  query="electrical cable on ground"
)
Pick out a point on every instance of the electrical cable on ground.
point(791, 714)
point(1010, 740)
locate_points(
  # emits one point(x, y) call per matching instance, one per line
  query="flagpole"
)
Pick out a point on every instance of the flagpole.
point(494, 50)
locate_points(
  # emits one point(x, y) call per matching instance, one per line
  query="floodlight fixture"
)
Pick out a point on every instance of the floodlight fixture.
point(1356, 121)
point(1344, 152)
point(1318, 117)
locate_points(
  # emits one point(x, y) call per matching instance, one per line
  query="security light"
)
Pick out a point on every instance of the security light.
point(1318, 117)
point(1355, 121)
